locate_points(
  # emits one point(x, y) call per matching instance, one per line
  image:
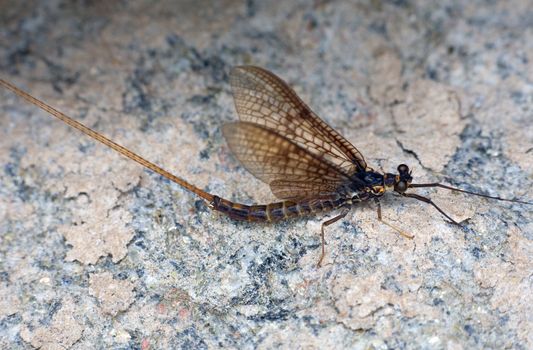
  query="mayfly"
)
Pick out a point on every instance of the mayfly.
point(308, 165)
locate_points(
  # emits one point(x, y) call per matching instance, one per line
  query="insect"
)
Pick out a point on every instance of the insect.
point(308, 165)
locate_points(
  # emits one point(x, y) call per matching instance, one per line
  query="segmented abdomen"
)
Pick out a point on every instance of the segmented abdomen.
point(274, 211)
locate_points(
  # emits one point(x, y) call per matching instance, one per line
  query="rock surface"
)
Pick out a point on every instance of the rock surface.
point(96, 252)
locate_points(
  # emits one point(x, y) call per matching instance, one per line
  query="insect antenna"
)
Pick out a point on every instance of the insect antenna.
point(436, 184)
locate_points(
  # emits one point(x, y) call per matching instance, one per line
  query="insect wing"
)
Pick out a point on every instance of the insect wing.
point(264, 99)
point(291, 170)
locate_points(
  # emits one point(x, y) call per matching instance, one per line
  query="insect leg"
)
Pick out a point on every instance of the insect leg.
point(436, 184)
point(400, 231)
point(323, 240)
point(429, 201)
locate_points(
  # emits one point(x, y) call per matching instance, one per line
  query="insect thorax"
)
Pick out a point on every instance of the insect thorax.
point(355, 195)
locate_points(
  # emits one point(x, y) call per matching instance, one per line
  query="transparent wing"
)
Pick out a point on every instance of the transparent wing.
point(264, 99)
point(292, 171)
point(294, 190)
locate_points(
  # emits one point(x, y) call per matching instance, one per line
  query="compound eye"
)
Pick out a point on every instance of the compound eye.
point(402, 169)
point(400, 187)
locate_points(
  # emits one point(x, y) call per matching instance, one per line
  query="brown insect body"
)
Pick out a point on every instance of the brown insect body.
point(275, 211)
point(309, 166)
point(367, 185)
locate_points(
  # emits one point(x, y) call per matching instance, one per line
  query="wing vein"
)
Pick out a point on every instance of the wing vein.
point(283, 142)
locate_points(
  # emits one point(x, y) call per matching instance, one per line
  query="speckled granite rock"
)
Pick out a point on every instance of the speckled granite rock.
point(96, 252)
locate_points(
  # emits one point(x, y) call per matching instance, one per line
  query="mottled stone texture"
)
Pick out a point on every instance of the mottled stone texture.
point(96, 252)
